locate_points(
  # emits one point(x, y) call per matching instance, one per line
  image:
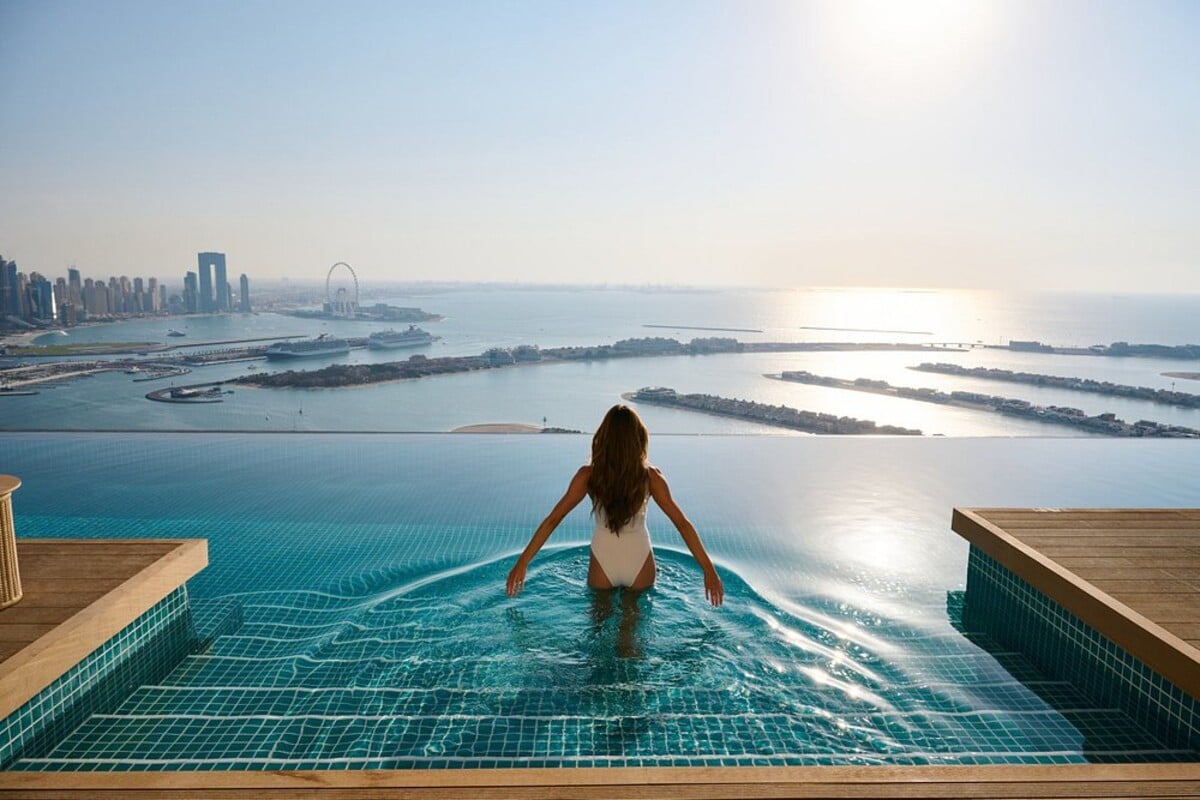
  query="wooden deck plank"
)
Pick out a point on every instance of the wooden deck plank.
point(44, 635)
point(1094, 563)
point(62, 597)
point(1168, 585)
point(32, 547)
point(88, 566)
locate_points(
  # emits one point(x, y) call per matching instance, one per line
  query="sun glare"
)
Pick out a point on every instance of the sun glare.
point(893, 44)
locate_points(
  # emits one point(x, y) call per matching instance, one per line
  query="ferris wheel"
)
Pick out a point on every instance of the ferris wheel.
point(341, 299)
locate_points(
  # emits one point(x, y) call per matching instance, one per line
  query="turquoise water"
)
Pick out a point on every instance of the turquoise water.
point(375, 631)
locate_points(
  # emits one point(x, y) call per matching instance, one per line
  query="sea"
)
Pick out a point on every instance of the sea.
point(575, 395)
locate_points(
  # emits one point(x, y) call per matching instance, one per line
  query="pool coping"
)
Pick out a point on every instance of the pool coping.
point(1067, 780)
point(1138, 633)
point(163, 566)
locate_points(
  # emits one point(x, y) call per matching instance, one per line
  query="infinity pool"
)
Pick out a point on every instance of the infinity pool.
point(374, 631)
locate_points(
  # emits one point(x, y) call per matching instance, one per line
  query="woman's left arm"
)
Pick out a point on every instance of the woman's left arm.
point(714, 589)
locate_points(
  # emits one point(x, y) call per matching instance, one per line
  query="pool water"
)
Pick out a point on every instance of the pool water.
point(375, 632)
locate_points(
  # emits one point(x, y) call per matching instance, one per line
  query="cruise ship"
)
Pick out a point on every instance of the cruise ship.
point(392, 340)
point(323, 345)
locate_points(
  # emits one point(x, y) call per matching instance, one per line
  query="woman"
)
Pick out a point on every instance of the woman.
point(620, 482)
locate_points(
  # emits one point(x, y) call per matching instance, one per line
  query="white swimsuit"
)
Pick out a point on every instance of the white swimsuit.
point(622, 555)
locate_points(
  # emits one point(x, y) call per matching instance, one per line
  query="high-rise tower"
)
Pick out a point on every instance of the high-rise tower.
point(191, 293)
point(4, 290)
point(212, 276)
point(245, 294)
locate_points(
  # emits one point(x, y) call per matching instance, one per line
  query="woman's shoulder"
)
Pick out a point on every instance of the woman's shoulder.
point(654, 473)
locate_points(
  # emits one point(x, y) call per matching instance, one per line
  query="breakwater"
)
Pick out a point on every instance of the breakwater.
point(1102, 424)
point(779, 416)
point(420, 366)
point(1162, 396)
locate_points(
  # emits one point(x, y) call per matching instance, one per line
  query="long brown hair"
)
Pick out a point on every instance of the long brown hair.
point(619, 483)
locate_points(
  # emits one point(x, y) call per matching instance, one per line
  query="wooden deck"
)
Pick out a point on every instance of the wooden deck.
point(1132, 574)
point(78, 594)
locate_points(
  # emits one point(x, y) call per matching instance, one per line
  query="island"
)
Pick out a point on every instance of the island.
point(1118, 349)
point(1101, 424)
point(420, 366)
point(380, 312)
point(1163, 396)
point(779, 416)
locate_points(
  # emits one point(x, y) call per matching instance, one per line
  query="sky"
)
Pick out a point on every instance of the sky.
point(1039, 144)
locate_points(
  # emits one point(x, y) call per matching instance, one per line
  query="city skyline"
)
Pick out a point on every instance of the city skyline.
point(35, 298)
point(926, 143)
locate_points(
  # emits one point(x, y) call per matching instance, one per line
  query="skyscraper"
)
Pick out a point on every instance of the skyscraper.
point(245, 292)
point(209, 264)
point(10, 301)
point(191, 294)
point(41, 298)
point(74, 288)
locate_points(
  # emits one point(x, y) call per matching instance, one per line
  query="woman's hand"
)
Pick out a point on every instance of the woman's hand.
point(516, 579)
point(714, 590)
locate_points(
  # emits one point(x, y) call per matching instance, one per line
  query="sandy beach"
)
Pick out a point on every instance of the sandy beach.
point(499, 427)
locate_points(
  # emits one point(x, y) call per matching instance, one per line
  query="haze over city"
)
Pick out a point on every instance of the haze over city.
point(924, 143)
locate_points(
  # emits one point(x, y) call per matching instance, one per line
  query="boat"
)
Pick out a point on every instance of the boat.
point(392, 340)
point(133, 370)
point(173, 332)
point(323, 345)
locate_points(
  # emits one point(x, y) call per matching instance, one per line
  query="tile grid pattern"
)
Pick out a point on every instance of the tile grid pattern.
point(144, 651)
point(1018, 615)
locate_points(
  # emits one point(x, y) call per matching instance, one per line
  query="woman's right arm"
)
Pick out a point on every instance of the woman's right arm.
point(714, 589)
point(576, 491)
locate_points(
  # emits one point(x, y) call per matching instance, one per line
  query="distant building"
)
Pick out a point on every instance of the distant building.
point(4, 302)
point(41, 298)
point(21, 306)
point(245, 294)
point(10, 301)
point(212, 275)
point(74, 288)
point(191, 293)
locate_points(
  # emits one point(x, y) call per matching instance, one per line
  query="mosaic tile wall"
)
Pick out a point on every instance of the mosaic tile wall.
point(143, 652)
point(1016, 614)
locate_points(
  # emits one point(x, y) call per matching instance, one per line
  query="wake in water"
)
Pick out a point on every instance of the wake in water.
point(445, 670)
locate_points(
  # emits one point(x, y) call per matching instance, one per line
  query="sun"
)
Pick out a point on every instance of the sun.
point(897, 44)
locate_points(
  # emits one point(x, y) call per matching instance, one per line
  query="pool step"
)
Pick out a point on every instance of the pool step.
point(332, 740)
point(601, 700)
